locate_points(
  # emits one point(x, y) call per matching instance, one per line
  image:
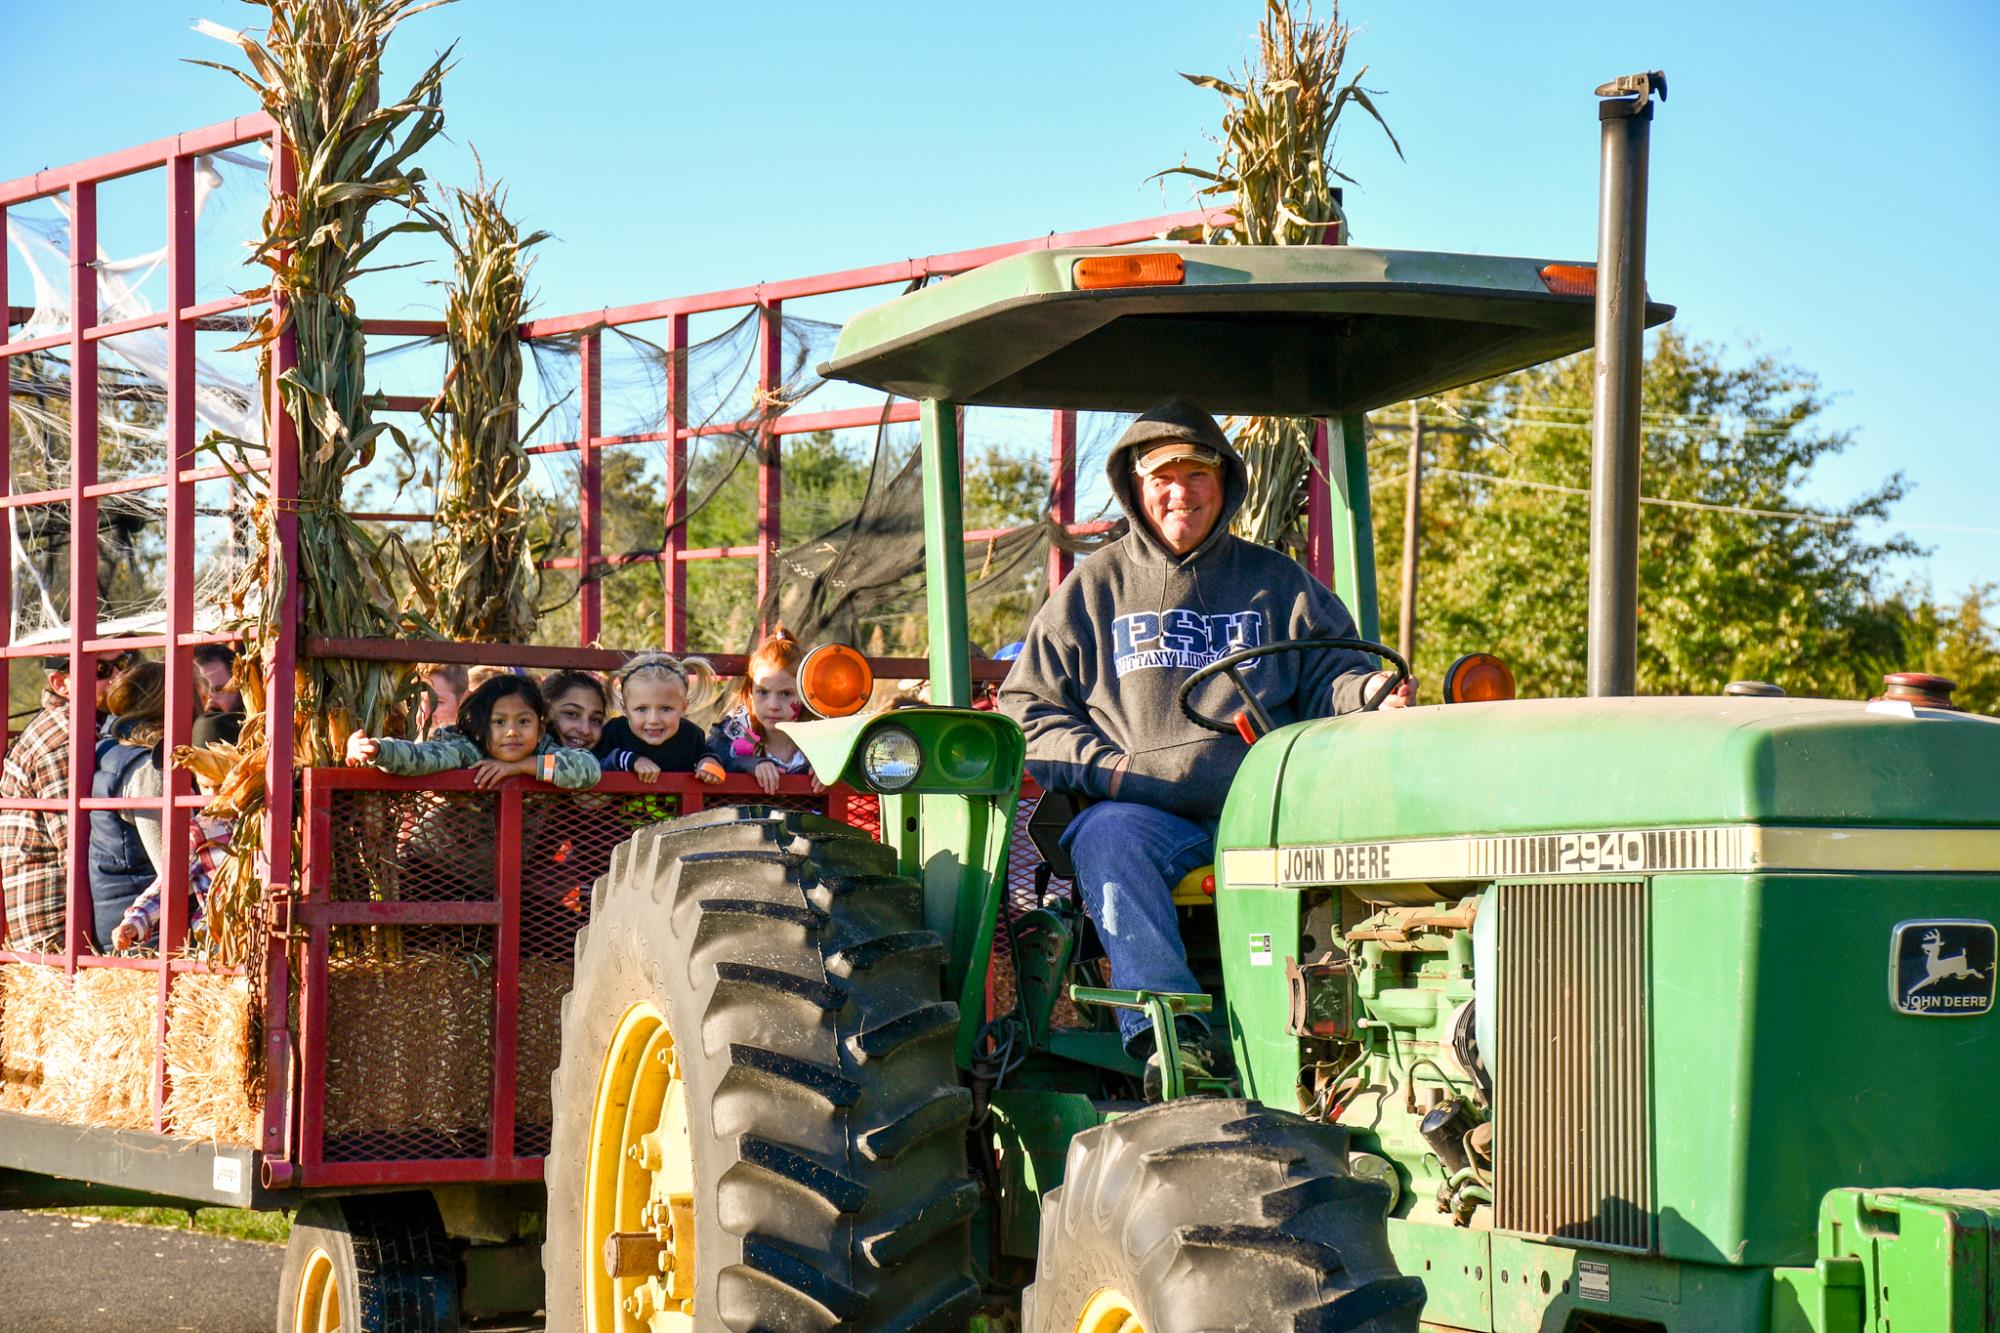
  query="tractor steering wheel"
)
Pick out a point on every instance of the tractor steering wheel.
point(1226, 666)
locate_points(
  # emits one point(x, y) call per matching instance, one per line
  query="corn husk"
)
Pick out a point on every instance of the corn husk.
point(1274, 162)
point(479, 581)
point(317, 70)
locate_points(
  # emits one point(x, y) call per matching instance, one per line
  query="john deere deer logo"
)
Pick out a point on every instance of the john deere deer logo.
point(1942, 967)
point(1938, 967)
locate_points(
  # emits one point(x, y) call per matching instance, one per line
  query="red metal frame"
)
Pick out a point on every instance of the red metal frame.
point(181, 320)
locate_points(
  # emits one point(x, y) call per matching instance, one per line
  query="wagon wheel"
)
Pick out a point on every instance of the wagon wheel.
point(1206, 1214)
point(758, 1122)
point(376, 1263)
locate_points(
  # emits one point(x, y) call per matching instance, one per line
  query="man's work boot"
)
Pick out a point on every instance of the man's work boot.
point(1194, 1061)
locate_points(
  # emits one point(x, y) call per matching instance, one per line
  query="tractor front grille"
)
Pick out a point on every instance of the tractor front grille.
point(1573, 1143)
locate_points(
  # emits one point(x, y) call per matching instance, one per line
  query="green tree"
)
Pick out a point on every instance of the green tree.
point(1960, 641)
point(1786, 595)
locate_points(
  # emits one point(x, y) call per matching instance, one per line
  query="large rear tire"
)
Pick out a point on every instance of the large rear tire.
point(795, 1104)
point(376, 1263)
point(1204, 1215)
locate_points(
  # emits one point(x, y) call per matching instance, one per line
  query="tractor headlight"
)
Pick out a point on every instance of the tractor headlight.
point(892, 759)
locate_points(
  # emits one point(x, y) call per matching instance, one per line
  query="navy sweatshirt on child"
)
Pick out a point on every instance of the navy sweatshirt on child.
point(619, 748)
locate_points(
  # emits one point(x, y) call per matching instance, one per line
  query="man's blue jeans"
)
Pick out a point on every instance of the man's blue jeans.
point(1128, 859)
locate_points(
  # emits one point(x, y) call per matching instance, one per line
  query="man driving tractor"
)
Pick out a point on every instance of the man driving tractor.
point(1095, 690)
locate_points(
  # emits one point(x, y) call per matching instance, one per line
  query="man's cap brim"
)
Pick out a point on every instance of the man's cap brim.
point(1175, 451)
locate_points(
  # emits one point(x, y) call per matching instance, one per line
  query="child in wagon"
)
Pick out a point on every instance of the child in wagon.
point(654, 692)
point(208, 848)
point(500, 734)
point(751, 738)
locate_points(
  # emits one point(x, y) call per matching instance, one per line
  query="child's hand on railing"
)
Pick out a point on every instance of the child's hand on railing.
point(362, 750)
point(767, 778)
point(645, 770)
point(492, 772)
point(710, 770)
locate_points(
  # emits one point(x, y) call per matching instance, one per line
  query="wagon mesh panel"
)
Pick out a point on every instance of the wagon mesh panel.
point(1572, 1152)
point(409, 1046)
point(412, 846)
point(409, 1011)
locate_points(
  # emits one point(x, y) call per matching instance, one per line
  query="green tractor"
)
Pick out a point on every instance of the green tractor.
point(1602, 1013)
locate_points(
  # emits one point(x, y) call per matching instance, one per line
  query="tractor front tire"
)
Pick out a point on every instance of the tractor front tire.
point(778, 969)
point(374, 1263)
point(1203, 1215)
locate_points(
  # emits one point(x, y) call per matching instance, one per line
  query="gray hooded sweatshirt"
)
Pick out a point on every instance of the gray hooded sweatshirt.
point(1105, 656)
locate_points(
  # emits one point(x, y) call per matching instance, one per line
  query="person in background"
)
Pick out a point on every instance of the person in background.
point(208, 843)
point(214, 679)
point(449, 683)
point(34, 844)
point(654, 692)
point(120, 868)
point(751, 738)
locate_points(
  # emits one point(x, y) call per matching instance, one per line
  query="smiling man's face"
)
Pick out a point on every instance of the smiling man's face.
point(1181, 501)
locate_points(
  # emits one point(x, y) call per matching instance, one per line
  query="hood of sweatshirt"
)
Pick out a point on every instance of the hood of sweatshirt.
point(1173, 419)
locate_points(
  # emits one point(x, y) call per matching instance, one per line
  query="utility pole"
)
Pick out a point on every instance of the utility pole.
point(1413, 486)
point(1406, 627)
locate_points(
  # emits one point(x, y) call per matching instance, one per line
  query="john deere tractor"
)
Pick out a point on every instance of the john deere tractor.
point(1599, 1013)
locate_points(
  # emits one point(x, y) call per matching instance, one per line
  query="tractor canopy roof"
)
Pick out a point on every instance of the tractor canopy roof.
point(1267, 330)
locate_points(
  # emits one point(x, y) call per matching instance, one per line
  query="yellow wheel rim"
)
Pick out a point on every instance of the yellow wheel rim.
point(638, 1208)
point(1110, 1310)
point(318, 1306)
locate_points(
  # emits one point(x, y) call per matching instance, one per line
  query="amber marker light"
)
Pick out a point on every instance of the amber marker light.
point(1478, 678)
point(1570, 279)
point(835, 680)
point(1145, 268)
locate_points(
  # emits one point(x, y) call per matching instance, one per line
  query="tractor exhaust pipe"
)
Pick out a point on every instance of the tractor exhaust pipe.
point(1626, 117)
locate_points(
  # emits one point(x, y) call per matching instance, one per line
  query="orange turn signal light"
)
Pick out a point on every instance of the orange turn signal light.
point(835, 680)
point(1144, 268)
point(1570, 279)
point(1478, 678)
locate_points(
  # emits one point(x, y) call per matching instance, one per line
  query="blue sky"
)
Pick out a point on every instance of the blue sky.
point(1825, 175)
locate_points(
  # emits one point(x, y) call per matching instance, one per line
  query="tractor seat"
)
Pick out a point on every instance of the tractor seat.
point(1197, 888)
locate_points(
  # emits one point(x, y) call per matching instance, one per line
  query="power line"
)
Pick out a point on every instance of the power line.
point(1831, 520)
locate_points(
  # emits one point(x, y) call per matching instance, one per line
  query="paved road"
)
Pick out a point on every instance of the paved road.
point(82, 1273)
point(62, 1273)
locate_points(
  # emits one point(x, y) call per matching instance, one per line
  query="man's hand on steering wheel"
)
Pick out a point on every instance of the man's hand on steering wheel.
point(1400, 695)
point(1382, 689)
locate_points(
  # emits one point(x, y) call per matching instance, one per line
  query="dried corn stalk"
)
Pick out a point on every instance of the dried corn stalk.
point(317, 73)
point(480, 579)
point(1275, 161)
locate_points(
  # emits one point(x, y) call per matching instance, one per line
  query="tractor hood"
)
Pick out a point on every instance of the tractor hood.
point(1267, 330)
point(1557, 765)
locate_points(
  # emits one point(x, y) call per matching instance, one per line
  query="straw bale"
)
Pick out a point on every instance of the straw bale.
point(97, 1068)
point(210, 1054)
point(409, 1044)
point(544, 982)
point(33, 999)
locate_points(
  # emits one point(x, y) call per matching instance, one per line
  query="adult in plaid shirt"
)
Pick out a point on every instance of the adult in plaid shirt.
point(34, 844)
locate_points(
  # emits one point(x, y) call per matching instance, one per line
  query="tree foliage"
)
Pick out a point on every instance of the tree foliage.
point(1791, 594)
